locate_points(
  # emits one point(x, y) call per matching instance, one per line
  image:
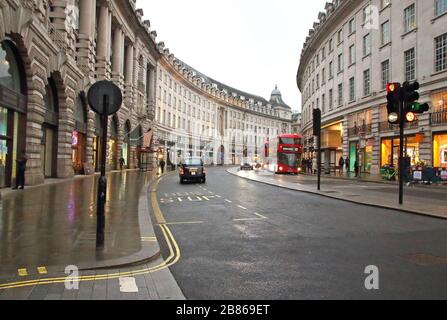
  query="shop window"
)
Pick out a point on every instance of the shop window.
point(439, 102)
point(440, 150)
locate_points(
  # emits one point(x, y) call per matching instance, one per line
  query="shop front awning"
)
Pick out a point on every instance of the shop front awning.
point(136, 137)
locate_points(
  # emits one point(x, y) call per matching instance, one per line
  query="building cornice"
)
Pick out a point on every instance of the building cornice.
point(335, 11)
point(186, 76)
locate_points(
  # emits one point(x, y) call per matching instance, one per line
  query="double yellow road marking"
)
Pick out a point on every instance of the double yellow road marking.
point(173, 258)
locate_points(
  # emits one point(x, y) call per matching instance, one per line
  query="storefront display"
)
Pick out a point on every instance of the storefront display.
point(440, 150)
point(12, 114)
point(78, 146)
point(390, 150)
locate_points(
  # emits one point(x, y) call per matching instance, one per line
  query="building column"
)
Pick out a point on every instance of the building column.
point(35, 119)
point(86, 44)
point(129, 74)
point(103, 45)
point(117, 57)
point(150, 92)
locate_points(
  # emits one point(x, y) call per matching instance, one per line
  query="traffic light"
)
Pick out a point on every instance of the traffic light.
point(417, 107)
point(410, 97)
point(317, 122)
point(393, 97)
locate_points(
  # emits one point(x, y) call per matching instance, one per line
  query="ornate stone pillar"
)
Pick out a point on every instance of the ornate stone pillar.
point(150, 92)
point(35, 119)
point(129, 74)
point(103, 45)
point(86, 42)
point(117, 57)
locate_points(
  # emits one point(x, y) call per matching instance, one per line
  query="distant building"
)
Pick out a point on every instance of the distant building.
point(296, 123)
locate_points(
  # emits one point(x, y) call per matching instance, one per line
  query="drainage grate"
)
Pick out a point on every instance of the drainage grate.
point(425, 260)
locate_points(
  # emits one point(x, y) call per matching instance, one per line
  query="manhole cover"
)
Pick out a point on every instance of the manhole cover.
point(425, 260)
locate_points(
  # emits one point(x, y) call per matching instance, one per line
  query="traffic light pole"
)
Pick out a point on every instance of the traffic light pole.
point(401, 152)
point(319, 161)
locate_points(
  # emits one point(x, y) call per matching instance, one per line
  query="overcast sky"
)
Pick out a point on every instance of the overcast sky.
point(250, 45)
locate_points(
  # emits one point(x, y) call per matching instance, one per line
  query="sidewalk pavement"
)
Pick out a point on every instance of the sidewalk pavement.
point(422, 201)
point(45, 228)
point(54, 225)
point(373, 178)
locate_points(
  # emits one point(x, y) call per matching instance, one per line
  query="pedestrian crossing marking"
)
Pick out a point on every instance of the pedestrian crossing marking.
point(242, 207)
point(229, 201)
point(23, 272)
point(180, 199)
point(42, 270)
point(207, 199)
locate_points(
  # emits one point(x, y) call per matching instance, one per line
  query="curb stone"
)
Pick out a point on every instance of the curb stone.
point(233, 171)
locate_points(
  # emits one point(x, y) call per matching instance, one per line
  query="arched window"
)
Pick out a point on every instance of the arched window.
point(114, 129)
point(9, 68)
point(80, 113)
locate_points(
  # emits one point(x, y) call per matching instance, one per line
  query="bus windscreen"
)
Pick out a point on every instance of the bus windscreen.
point(288, 159)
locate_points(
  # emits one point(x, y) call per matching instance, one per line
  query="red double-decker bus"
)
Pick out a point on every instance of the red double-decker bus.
point(285, 154)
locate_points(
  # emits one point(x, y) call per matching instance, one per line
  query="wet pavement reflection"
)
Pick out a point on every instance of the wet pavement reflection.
point(55, 225)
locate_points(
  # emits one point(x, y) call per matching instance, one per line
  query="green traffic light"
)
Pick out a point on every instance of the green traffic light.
point(417, 107)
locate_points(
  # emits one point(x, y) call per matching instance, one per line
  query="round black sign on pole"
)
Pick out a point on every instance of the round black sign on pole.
point(105, 98)
point(97, 93)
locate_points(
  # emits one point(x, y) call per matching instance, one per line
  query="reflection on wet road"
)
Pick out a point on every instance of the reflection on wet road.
point(55, 225)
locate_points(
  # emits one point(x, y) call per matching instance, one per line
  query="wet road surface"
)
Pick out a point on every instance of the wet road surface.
point(244, 240)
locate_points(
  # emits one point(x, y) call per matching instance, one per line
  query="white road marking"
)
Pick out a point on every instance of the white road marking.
point(229, 201)
point(248, 219)
point(206, 198)
point(260, 216)
point(242, 207)
point(218, 196)
point(200, 199)
point(128, 285)
point(180, 199)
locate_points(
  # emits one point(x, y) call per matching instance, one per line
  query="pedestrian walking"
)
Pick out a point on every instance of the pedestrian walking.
point(122, 162)
point(356, 168)
point(21, 168)
point(309, 165)
point(348, 165)
point(341, 164)
point(314, 166)
point(162, 166)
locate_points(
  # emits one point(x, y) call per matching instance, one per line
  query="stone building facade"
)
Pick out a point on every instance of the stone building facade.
point(352, 51)
point(51, 53)
point(199, 116)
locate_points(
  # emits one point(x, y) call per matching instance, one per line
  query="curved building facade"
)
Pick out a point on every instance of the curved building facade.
point(199, 116)
point(51, 53)
point(354, 49)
